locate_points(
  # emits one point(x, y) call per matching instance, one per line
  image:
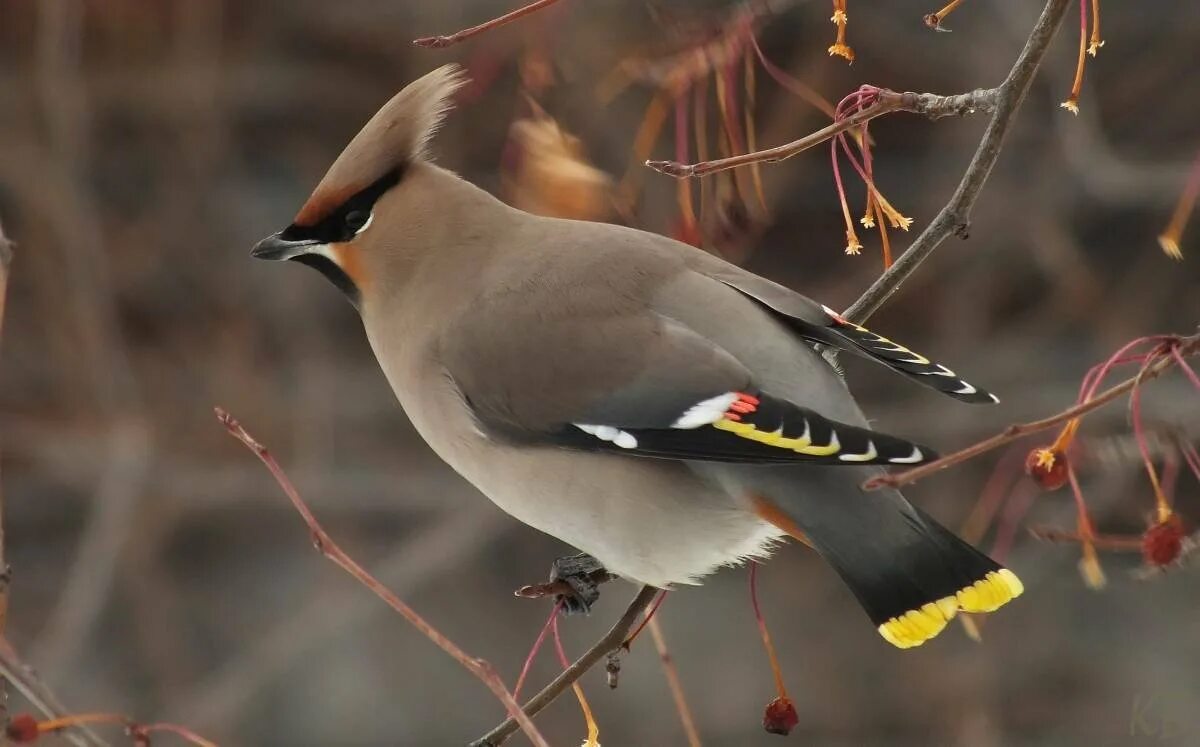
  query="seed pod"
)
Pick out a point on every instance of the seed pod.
point(1048, 467)
point(780, 717)
point(22, 729)
point(1163, 542)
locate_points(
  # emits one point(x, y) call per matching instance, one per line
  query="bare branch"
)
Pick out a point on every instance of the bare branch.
point(672, 674)
point(1100, 541)
point(327, 547)
point(439, 42)
point(611, 641)
point(955, 216)
point(1184, 346)
point(887, 101)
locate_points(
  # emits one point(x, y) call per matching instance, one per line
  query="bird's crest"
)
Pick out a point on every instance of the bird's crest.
point(396, 136)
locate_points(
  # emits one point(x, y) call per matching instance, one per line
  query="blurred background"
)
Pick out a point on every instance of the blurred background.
point(159, 572)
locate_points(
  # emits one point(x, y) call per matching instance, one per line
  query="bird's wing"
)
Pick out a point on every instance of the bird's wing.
point(596, 376)
point(821, 324)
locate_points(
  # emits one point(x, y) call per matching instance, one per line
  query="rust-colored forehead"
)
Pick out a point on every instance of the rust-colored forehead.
point(393, 138)
point(321, 204)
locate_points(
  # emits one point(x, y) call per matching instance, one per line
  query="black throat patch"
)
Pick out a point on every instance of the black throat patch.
point(340, 226)
point(333, 274)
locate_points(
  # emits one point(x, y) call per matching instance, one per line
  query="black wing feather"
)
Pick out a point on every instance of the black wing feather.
point(822, 325)
point(774, 432)
point(847, 335)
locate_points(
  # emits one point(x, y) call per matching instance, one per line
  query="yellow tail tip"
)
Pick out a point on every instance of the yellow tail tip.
point(991, 592)
point(988, 594)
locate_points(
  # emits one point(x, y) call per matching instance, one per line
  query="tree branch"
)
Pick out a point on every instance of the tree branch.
point(1185, 346)
point(887, 101)
point(5, 572)
point(438, 42)
point(611, 641)
point(955, 216)
point(672, 674)
point(327, 547)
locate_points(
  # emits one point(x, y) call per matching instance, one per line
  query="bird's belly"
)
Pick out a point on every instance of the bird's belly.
point(651, 521)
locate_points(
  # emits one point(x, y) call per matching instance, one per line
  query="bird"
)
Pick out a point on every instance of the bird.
point(663, 411)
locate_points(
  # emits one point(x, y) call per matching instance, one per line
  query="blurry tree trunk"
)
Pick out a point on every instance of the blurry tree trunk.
point(5, 258)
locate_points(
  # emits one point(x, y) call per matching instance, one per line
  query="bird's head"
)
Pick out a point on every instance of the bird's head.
point(377, 192)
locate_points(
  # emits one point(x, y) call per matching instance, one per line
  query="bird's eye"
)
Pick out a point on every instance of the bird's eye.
point(356, 220)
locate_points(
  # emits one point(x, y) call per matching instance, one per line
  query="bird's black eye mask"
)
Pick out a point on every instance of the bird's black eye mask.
point(341, 225)
point(347, 219)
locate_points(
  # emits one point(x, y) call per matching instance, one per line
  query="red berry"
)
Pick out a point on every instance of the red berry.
point(1048, 467)
point(22, 729)
point(780, 717)
point(1163, 542)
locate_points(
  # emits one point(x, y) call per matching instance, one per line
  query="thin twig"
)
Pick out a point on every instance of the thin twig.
point(327, 547)
point(934, 20)
point(1101, 541)
point(439, 42)
point(1185, 345)
point(610, 642)
point(931, 105)
point(629, 639)
point(954, 217)
point(673, 682)
point(139, 732)
point(26, 681)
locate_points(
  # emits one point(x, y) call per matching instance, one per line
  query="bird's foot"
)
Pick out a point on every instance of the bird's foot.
point(574, 582)
point(583, 574)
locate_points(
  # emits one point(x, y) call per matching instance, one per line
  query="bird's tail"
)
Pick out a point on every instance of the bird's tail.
point(910, 574)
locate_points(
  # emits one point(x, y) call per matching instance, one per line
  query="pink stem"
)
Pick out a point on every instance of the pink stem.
point(1085, 520)
point(537, 646)
point(732, 124)
point(1183, 365)
point(1112, 361)
point(681, 129)
point(562, 655)
point(1083, 27)
point(646, 619)
point(993, 495)
point(841, 138)
point(837, 174)
point(792, 83)
point(1088, 378)
point(1170, 476)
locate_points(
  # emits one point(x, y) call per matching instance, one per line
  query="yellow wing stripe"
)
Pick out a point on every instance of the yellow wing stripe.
point(988, 594)
point(898, 348)
point(801, 445)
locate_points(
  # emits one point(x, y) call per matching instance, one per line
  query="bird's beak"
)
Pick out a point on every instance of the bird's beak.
point(276, 247)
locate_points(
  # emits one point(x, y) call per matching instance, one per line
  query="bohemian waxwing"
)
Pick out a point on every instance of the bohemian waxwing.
point(656, 407)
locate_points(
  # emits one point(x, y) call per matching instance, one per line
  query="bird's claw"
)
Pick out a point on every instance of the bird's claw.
point(582, 574)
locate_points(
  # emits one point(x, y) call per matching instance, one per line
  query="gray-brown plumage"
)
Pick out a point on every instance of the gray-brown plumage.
point(660, 409)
